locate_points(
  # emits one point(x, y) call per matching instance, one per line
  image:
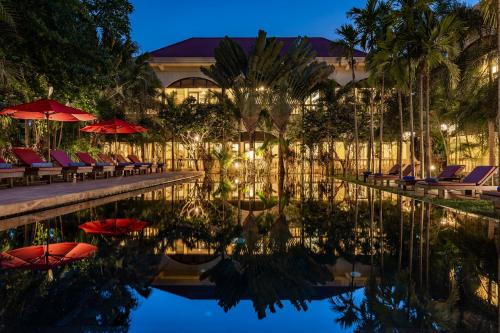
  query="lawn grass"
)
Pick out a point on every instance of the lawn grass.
point(473, 205)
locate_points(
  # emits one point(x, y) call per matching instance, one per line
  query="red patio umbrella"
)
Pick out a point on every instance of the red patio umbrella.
point(49, 110)
point(113, 226)
point(45, 257)
point(115, 126)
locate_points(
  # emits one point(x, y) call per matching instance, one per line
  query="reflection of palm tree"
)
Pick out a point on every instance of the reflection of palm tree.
point(267, 279)
point(395, 306)
point(345, 305)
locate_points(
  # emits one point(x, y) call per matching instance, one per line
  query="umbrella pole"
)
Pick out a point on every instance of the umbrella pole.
point(48, 137)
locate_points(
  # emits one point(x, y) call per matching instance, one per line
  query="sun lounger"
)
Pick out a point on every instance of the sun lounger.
point(157, 166)
point(106, 169)
point(139, 167)
point(120, 168)
point(9, 172)
point(35, 165)
point(391, 177)
point(472, 183)
point(70, 168)
point(449, 173)
point(392, 171)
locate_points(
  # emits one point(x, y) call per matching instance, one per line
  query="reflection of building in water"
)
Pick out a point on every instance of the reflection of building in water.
point(180, 275)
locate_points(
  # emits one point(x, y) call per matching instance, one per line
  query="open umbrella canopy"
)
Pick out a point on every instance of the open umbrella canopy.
point(113, 226)
point(46, 109)
point(115, 126)
point(45, 257)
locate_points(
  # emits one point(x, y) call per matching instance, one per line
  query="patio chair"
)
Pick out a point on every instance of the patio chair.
point(394, 170)
point(106, 169)
point(158, 166)
point(35, 166)
point(70, 168)
point(9, 172)
point(123, 169)
point(139, 167)
point(449, 173)
point(392, 177)
point(471, 183)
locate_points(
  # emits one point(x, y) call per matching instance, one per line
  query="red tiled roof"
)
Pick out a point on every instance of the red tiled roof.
point(204, 47)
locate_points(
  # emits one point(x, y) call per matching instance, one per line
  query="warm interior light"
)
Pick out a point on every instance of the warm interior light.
point(237, 165)
point(494, 69)
point(250, 154)
point(433, 167)
point(196, 137)
point(444, 127)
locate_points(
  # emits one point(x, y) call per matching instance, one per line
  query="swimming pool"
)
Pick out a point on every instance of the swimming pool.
point(219, 257)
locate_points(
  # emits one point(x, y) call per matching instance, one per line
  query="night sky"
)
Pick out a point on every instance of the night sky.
point(157, 23)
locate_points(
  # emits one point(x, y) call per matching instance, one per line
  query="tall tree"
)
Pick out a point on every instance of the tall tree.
point(373, 22)
point(349, 39)
point(438, 43)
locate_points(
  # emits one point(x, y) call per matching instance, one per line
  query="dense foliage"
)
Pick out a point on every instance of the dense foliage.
point(77, 52)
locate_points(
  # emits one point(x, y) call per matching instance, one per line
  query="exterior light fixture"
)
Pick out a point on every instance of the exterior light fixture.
point(237, 165)
point(407, 135)
point(196, 138)
point(433, 167)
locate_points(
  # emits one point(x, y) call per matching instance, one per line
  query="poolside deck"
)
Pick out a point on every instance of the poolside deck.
point(27, 199)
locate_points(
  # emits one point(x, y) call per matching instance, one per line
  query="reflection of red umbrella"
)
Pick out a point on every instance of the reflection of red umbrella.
point(45, 257)
point(115, 126)
point(49, 110)
point(113, 226)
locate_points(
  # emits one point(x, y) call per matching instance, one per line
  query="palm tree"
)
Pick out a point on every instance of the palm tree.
point(373, 22)
point(405, 23)
point(491, 13)
point(303, 77)
point(247, 76)
point(349, 39)
point(438, 42)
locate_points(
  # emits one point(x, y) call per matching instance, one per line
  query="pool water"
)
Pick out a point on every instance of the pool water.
point(220, 257)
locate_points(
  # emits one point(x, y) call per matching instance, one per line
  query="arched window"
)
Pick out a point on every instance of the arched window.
point(193, 82)
point(195, 87)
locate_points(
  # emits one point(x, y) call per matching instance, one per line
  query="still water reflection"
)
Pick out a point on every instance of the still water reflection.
point(216, 256)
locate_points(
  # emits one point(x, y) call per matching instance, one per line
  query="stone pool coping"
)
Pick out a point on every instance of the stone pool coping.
point(28, 199)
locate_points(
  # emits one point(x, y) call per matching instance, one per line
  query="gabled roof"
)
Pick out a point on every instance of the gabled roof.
point(204, 47)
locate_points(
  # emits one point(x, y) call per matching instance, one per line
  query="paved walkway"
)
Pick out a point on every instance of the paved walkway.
point(20, 200)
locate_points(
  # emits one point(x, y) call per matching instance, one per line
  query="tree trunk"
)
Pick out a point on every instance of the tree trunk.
point(60, 135)
point(280, 155)
point(381, 136)
point(498, 99)
point(311, 163)
point(401, 131)
point(26, 133)
point(428, 145)
point(372, 138)
point(302, 152)
point(172, 154)
point(421, 124)
point(412, 130)
point(491, 142)
point(356, 138)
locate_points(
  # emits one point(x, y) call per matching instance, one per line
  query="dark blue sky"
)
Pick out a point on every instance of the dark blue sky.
point(156, 23)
